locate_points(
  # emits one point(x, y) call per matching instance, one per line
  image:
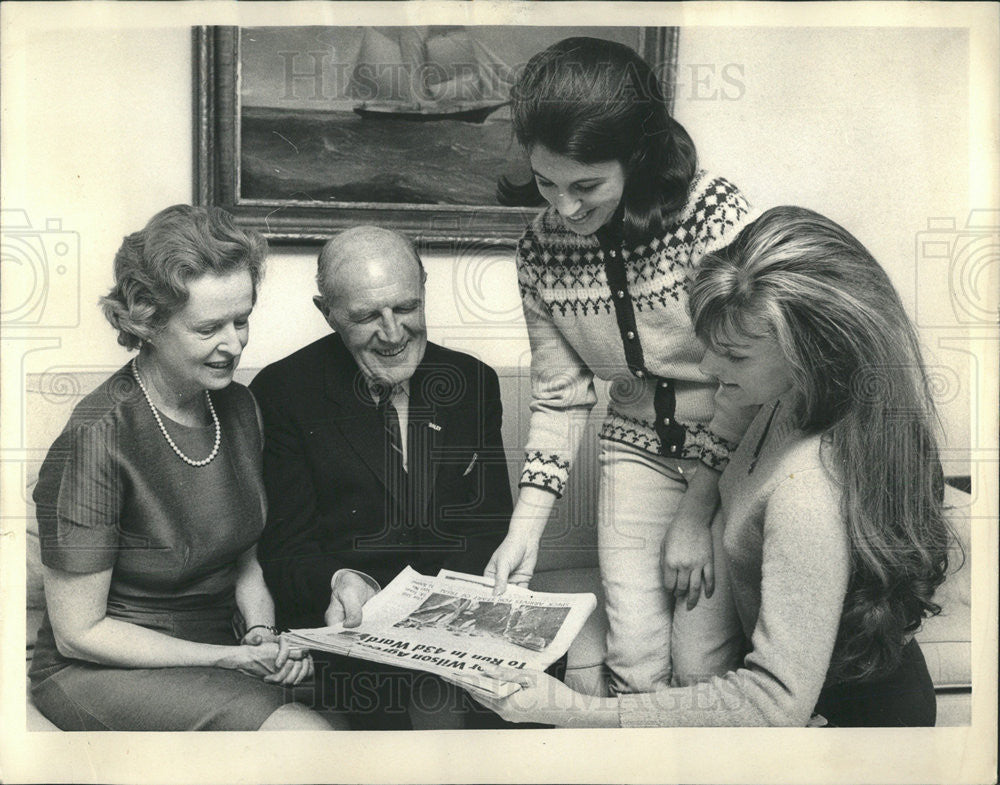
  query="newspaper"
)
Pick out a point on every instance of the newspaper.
point(452, 624)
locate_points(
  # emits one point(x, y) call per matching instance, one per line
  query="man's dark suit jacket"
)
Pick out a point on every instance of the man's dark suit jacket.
point(326, 461)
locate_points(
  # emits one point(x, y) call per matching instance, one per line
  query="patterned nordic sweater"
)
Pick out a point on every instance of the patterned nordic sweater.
point(594, 307)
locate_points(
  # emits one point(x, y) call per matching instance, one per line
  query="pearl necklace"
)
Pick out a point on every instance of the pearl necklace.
point(163, 430)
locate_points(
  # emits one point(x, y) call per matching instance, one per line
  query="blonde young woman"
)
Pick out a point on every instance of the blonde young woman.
point(835, 538)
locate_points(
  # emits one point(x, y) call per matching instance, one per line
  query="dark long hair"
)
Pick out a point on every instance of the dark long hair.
point(593, 101)
point(858, 369)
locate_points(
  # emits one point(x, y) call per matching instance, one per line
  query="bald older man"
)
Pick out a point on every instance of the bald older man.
point(381, 450)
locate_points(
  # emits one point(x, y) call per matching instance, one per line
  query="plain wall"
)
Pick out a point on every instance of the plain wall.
point(867, 126)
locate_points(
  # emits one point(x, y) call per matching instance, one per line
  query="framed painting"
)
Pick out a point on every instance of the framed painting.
point(302, 131)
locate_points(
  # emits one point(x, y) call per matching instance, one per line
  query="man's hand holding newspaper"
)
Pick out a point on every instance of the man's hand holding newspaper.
point(349, 591)
point(452, 625)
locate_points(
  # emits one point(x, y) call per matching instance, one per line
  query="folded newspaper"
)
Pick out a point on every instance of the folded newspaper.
point(452, 625)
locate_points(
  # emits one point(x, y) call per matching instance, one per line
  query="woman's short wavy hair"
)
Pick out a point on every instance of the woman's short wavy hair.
point(154, 265)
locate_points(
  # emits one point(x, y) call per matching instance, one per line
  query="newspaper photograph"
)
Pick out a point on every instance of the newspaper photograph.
point(452, 625)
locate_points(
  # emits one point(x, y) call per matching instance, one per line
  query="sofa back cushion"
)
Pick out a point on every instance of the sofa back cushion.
point(570, 538)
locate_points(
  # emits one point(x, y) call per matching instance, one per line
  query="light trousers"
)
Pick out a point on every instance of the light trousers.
point(652, 641)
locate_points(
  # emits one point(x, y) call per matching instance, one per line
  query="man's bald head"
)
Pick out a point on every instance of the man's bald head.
point(371, 286)
point(358, 245)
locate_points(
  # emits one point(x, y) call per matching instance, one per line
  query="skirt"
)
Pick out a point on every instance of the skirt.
point(904, 698)
point(84, 696)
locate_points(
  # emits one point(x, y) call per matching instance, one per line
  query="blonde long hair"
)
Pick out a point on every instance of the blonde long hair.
point(857, 365)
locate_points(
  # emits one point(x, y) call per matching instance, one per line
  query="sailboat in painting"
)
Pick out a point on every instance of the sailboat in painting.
point(427, 73)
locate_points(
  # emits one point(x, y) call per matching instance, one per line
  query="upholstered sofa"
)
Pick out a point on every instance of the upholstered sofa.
point(568, 558)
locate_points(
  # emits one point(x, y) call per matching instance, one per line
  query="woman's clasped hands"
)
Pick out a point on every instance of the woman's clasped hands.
point(272, 658)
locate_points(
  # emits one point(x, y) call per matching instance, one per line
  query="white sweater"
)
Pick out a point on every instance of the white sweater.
point(788, 555)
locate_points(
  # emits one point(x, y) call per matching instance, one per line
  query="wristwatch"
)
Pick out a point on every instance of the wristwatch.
point(273, 630)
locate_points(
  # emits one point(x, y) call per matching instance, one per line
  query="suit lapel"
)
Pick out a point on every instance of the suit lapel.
point(353, 413)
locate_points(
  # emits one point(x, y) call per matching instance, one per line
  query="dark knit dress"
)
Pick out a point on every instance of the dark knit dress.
point(112, 494)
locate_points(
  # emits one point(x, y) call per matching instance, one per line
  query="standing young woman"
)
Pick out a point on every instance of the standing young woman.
point(603, 274)
point(150, 504)
point(835, 535)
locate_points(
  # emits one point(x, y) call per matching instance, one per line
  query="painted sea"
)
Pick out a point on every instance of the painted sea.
point(338, 156)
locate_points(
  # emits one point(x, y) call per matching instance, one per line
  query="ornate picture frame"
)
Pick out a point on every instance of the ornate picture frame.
point(263, 97)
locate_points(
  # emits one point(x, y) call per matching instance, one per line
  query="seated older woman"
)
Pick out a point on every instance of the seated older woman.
point(150, 504)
